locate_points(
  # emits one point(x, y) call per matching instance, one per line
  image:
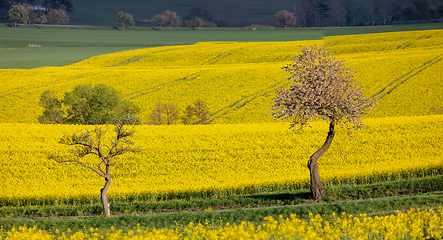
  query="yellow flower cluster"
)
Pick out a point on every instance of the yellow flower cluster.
point(413, 224)
point(218, 160)
point(237, 79)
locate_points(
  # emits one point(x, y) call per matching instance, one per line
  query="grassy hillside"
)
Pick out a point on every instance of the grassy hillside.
point(59, 46)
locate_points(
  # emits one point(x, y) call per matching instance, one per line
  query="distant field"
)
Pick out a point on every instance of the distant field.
point(60, 46)
point(238, 80)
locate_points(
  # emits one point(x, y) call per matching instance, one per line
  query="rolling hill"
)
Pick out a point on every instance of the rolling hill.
point(237, 79)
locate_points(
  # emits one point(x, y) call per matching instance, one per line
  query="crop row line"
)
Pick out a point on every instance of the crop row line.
point(162, 86)
point(23, 89)
point(138, 57)
point(220, 56)
point(398, 81)
point(245, 100)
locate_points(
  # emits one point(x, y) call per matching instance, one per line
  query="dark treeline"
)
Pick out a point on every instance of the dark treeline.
point(305, 13)
point(328, 13)
point(38, 9)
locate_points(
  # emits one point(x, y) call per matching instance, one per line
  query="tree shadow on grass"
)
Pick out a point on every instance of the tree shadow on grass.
point(283, 197)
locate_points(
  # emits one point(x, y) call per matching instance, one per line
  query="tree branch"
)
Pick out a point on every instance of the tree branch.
point(64, 159)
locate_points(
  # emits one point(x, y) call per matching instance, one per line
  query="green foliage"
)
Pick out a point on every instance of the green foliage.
point(53, 112)
point(125, 19)
point(160, 19)
point(57, 16)
point(86, 104)
point(199, 22)
point(18, 13)
point(57, 4)
point(247, 213)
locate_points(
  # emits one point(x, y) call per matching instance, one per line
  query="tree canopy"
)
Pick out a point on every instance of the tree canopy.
point(160, 19)
point(18, 13)
point(57, 16)
point(94, 143)
point(86, 104)
point(322, 87)
point(285, 18)
point(124, 19)
point(59, 4)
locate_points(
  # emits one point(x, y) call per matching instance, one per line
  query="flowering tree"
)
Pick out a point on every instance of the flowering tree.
point(285, 18)
point(93, 143)
point(322, 87)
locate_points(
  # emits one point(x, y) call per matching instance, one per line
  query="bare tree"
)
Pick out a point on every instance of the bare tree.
point(163, 113)
point(196, 113)
point(37, 16)
point(93, 143)
point(171, 113)
point(336, 13)
point(322, 87)
point(305, 13)
point(201, 111)
point(440, 12)
point(285, 18)
point(58, 16)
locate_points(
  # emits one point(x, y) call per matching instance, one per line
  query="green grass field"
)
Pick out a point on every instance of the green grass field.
point(61, 46)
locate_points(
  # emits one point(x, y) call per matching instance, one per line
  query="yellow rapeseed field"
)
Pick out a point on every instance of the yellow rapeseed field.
point(218, 160)
point(243, 151)
point(413, 224)
point(238, 79)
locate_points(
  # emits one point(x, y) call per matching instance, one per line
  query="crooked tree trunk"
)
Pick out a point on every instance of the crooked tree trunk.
point(316, 186)
point(104, 190)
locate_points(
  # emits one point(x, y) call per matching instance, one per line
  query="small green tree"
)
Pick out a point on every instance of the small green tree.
point(53, 112)
point(94, 143)
point(18, 13)
point(58, 16)
point(197, 113)
point(322, 87)
point(160, 19)
point(125, 19)
point(86, 104)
